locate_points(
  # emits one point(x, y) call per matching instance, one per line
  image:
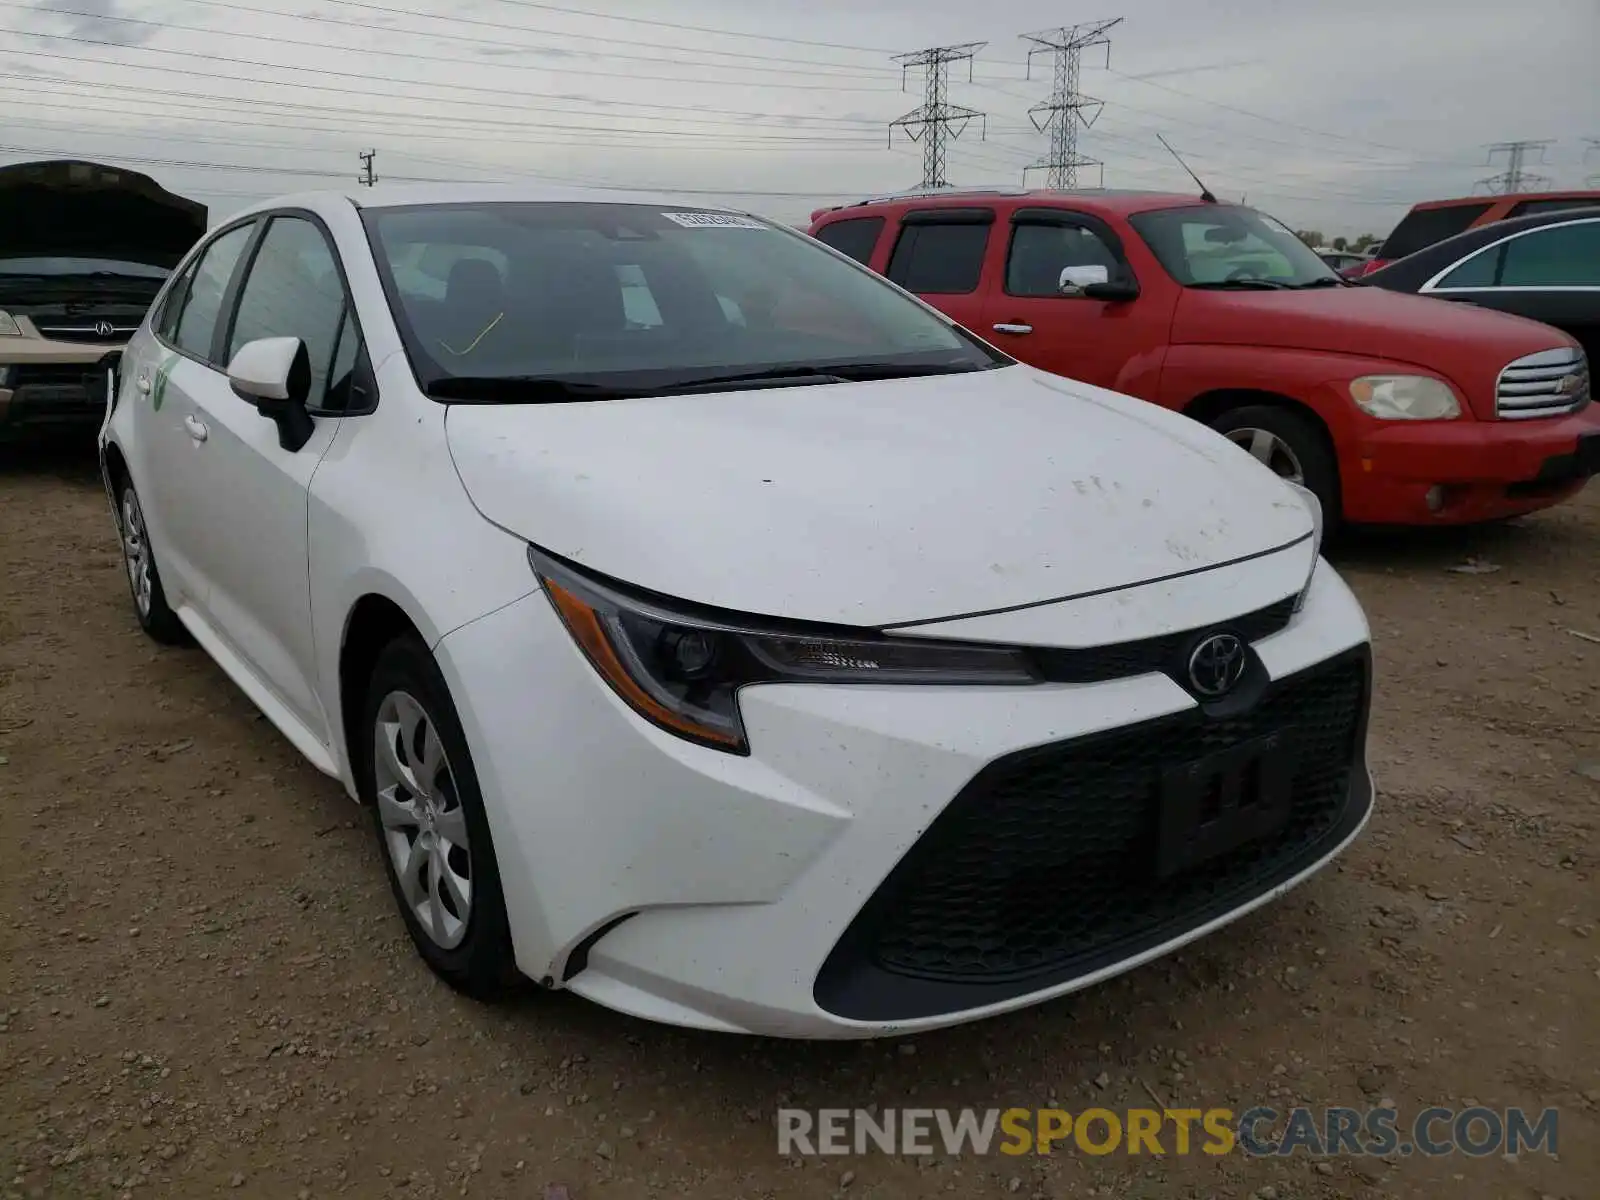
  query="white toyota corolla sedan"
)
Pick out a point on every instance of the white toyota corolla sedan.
point(716, 630)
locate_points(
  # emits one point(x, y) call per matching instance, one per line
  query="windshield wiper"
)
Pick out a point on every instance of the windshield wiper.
point(1253, 285)
point(1323, 281)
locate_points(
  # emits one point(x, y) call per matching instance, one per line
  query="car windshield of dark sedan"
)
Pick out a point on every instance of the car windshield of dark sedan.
point(1222, 245)
point(514, 301)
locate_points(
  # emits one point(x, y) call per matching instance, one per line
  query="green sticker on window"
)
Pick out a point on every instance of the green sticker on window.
point(158, 393)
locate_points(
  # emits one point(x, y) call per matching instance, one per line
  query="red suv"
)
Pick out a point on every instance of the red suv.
point(1394, 409)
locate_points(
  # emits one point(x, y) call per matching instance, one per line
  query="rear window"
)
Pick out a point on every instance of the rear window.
point(939, 259)
point(1423, 227)
point(855, 237)
point(1527, 208)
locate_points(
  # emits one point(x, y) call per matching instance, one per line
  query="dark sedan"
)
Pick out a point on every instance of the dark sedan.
point(1546, 267)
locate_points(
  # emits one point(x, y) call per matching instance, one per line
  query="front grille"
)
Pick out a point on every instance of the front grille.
point(87, 333)
point(1043, 868)
point(51, 374)
point(1551, 383)
point(1096, 664)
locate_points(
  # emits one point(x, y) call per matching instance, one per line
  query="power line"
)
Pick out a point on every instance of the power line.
point(1067, 107)
point(1515, 178)
point(937, 119)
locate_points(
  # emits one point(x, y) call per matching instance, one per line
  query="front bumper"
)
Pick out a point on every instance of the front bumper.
point(745, 894)
point(41, 397)
point(1484, 470)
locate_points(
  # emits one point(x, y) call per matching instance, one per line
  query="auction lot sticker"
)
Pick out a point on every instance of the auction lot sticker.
point(711, 220)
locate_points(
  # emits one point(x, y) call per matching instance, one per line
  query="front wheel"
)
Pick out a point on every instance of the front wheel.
point(1292, 446)
point(416, 775)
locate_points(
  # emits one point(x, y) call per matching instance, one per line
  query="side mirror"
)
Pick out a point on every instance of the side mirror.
point(1076, 279)
point(274, 374)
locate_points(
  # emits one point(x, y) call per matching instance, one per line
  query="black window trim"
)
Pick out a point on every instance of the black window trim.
point(948, 216)
point(1066, 217)
point(187, 273)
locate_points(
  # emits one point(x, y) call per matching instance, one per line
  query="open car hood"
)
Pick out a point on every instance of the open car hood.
point(73, 209)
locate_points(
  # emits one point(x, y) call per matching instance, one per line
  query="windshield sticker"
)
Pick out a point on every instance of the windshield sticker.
point(711, 220)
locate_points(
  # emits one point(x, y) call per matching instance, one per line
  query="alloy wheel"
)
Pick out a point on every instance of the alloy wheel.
point(1272, 451)
point(136, 551)
point(424, 826)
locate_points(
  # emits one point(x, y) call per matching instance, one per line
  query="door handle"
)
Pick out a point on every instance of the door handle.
point(1013, 327)
point(143, 384)
point(197, 428)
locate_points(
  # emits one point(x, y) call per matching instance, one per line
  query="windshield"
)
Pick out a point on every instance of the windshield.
point(80, 266)
point(628, 299)
point(1211, 244)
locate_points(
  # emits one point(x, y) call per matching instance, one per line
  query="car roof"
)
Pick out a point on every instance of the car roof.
point(1113, 200)
point(400, 195)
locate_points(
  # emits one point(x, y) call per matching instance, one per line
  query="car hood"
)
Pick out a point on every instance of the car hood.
point(71, 209)
point(879, 503)
point(1420, 330)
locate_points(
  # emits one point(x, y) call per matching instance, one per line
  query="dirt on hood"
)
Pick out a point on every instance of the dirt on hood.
point(71, 208)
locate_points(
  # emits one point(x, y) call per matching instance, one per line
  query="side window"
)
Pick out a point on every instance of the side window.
point(342, 385)
point(1422, 227)
point(1480, 271)
point(1040, 252)
point(855, 237)
point(196, 316)
point(1560, 256)
point(1527, 208)
point(165, 322)
point(939, 259)
point(294, 290)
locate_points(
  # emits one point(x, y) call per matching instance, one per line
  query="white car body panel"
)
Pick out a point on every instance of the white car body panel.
point(939, 496)
point(1003, 506)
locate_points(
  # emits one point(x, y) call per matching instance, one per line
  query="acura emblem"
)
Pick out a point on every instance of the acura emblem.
point(1216, 664)
point(104, 328)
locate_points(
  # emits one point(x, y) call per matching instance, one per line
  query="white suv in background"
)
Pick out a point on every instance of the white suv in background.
point(719, 632)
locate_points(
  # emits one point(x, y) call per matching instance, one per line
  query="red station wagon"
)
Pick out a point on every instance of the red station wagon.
point(1394, 409)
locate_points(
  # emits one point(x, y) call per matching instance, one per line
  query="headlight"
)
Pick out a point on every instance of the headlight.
point(682, 671)
point(1405, 397)
point(9, 326)
point(1314, 506)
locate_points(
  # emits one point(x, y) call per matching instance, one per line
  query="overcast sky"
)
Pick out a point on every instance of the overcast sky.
point(1334, 117)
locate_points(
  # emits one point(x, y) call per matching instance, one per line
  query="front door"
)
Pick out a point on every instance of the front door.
point(1062, 331)
point(256, 554)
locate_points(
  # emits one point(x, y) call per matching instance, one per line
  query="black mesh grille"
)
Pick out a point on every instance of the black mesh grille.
point(1098, 663)
point(52, 374)
point(1044, 867)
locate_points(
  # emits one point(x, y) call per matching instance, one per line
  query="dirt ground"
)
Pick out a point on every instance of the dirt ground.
point(204, 988)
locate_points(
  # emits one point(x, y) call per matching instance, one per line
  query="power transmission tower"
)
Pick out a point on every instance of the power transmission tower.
point(1514, 178)
point(367, 178)
point(937, 119)
point(1592, 152)
point(1067, 107)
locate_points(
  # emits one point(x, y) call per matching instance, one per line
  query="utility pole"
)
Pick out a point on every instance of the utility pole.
point(1591, 153)
point(937, 119)
point(1067, 108)
point(1514, 178)
point(367, 178)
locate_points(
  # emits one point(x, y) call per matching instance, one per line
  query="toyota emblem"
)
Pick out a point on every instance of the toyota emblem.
point(1216, 664)
point(104, 328)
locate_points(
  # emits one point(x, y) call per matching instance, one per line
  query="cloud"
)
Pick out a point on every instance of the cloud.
point(97, 20)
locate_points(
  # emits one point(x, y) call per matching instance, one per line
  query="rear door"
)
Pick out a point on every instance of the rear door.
point(256, 492)
point(1065, 332)
point(168, 374)
point(939, 254)
point(1550, 274)
point(855, 236)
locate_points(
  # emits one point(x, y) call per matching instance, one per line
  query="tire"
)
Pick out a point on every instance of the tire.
point(155, 616)
point(424, 793)
point(1304, 440)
